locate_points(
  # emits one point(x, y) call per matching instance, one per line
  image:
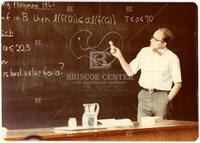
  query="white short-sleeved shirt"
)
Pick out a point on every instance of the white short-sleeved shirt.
point(157, 71)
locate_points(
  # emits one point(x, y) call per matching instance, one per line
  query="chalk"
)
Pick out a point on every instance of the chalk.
point(111, 43)
point(112, 47)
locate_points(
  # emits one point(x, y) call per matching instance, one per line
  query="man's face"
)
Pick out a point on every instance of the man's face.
point(156, 41)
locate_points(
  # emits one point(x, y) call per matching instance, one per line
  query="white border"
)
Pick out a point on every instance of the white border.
point(197, 2)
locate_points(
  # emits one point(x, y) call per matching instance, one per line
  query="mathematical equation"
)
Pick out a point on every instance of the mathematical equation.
point(17, 17)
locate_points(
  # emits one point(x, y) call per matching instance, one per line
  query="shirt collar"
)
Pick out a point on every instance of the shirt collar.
point(160, 51)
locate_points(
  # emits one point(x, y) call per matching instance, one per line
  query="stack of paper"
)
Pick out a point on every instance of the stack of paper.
point(78, 128)
point(104, 124)
point(116, 122)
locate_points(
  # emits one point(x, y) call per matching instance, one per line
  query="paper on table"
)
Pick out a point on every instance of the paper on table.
point(105, 123)
point(78, 128)
point(116, 122)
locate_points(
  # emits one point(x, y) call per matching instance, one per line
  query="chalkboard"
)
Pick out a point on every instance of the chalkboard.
point(55, 57)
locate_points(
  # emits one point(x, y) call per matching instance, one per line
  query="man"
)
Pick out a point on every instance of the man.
point(160, 78)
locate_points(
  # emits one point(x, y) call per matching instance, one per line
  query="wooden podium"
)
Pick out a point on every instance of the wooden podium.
point(166, 130)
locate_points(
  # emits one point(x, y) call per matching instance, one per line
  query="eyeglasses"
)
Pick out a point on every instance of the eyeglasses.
point(152, 37)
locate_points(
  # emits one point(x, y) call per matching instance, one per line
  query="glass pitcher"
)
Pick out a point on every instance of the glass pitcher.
point(89, 118)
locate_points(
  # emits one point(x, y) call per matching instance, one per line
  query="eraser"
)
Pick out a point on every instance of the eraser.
point(150, 121)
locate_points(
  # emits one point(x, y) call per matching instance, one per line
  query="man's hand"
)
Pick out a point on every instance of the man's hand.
point(114, 50)
point(117, 53)
point(175, 89)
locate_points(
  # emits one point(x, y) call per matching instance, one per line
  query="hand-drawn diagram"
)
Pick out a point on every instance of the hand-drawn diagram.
point(99, 55)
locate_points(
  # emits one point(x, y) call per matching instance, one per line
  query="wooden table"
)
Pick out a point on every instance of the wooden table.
point(166, 130)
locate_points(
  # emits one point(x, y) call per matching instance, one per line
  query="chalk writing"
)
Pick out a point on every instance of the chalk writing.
point(98, 54)
point(4, 62)
point(29, 5)
point(48, 5)
point(61, 65)
point(22, 16)
point(139, 19)
point(60, 18)
point(25, 6)
point(7, 33)
point(18, 47)
point(32, 72)
point(6, 17)
point(38, 18)
point(74, 18)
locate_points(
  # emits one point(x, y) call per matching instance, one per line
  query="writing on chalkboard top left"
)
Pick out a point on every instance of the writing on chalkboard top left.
point(29, 5)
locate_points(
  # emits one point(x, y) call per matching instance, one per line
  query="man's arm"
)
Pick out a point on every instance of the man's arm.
point(174, 90)
point(125, 66)
point(117, 53)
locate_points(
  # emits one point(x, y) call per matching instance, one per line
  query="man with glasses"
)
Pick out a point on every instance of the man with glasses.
point(160, 78)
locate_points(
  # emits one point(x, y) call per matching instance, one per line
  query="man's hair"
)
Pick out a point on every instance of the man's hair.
point(168, 36)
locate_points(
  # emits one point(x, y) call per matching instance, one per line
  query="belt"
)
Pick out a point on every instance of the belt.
point(154, 90)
